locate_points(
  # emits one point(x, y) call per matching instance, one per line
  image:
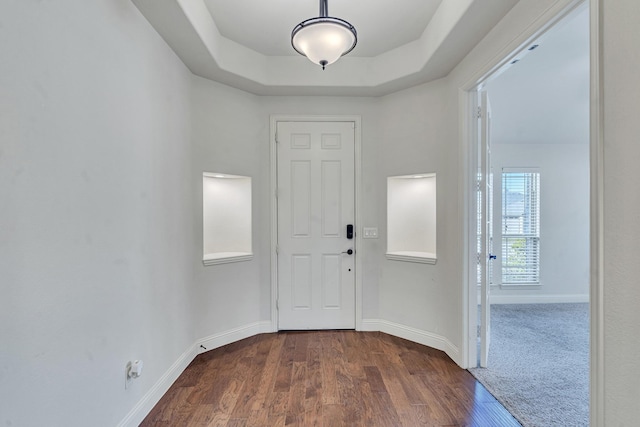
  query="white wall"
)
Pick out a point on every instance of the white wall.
point(230, 135)
point(97, 241)
point(416, 136)
point(564, 220)
point(621, 207)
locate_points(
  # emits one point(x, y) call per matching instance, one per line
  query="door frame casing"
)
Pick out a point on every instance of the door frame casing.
point(468, 165)
point(273, 188)
point(468, 102)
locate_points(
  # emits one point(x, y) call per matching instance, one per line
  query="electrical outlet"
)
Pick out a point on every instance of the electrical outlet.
point(127, 377)
point(132, 371)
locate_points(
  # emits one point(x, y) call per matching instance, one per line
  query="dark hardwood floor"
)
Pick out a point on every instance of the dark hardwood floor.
point(326, 378)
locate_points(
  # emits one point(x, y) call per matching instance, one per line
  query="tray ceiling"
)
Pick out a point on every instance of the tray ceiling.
point(246, 44)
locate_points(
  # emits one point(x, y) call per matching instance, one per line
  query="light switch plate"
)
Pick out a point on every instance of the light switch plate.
point(370, 232)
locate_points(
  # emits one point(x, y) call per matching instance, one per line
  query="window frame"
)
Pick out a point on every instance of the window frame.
point(530, 222)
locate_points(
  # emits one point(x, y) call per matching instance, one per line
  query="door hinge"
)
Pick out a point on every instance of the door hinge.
point(479, 112)
point(277, 250)
point(277, 137)
point(277, 304)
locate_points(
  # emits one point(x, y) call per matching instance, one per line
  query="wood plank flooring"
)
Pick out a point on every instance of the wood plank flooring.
point(330, 379)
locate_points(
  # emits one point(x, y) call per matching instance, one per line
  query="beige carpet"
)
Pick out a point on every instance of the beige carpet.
point(539, 363)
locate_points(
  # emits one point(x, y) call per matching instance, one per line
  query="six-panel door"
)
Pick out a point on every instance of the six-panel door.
point(316, 202)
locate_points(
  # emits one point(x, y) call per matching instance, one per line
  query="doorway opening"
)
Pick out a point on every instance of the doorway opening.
point(533, 253)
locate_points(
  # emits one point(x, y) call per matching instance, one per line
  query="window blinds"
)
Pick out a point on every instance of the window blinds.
point(520, 227)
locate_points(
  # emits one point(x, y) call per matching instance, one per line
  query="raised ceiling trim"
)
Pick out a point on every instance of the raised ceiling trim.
point(189, 29)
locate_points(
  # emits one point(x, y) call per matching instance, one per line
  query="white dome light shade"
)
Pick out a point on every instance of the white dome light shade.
point(324, 39)
point(323, 42)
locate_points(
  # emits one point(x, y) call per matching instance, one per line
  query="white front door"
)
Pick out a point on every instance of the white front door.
point(316, 204)
point(486, 232)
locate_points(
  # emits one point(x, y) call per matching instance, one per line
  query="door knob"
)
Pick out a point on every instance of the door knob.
point(493, 256)
point(348, 252)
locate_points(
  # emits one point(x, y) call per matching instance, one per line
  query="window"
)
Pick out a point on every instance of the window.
point(520, 227)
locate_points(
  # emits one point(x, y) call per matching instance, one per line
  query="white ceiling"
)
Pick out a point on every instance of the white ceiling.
point(265, 26)
point(544, 98)
point(246, 43)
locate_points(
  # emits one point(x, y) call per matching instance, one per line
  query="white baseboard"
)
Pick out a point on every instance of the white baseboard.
point(232, 335)
point(538, 299)
point(153, 396)
point(416, 335)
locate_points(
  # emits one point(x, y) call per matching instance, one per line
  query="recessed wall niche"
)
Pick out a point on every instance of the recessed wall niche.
point(226, 218)
point(411, 218)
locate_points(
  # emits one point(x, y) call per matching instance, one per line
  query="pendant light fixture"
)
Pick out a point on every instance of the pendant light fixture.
point(324, 39)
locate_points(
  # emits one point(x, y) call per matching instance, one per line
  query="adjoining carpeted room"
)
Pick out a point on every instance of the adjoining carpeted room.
point(537, 325)
point(539, 363)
